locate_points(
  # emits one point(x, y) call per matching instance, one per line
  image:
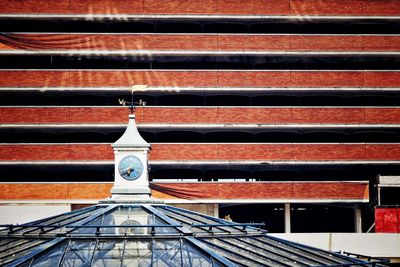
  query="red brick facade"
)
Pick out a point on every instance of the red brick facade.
point(218, 191)
point(209, 7)
point(201, 78)
point(206, 152)
point(201, 115)
point(205, 42)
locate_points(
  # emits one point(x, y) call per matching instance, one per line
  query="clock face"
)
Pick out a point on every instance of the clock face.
point(130, 168)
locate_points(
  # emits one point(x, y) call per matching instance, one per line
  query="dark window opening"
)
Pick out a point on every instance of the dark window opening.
point(272, 27)
point(271, 214)
point(315, 136)
point(275, 136)
point(193, 135)
point(95, 137)
point(57, 173)
point(329, 175)
point(177, 27)
point(373, 136)
point(275, 100)
point(136, 27)
point(262, 172)
point(179, 137)
point(69, 98)
point(152, 98)
point(372, 100)
point(180, 100)
point(390, 196)
point(226, 137)
point(202, 25)
point(148, 136)
point(227, 100)
point(221, 174)
point(226, 27)
point(308, 218)
point(176, 174)
point(278, 175)
point(330, 100)
point(211, 62)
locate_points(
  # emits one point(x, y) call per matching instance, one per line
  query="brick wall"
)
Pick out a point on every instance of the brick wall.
point(201, 152)
point(199, 42)
point(214, 7)
point(387, 220)
point(201, 115)
point(277, 191)
point(45, 78)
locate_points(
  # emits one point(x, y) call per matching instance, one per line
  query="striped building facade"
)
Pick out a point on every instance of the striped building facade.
point(283, 111)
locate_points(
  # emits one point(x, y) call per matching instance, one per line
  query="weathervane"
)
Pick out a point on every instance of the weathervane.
point(132, 104)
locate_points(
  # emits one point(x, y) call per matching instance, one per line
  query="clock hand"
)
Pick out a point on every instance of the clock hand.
point(127, 171)
point(131, 168)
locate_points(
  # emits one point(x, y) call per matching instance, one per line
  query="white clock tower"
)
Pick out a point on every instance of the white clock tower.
point(131, 165)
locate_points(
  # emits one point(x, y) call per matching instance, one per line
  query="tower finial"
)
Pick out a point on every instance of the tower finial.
point(132, 104)
point(132, 107)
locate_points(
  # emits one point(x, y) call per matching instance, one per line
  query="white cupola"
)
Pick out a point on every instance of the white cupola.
point(131, 169)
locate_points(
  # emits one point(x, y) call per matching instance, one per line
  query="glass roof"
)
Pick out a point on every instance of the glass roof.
point(152, 235)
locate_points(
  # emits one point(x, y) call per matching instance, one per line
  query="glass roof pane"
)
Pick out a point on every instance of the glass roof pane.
point(268, 255)
point(238, 254)
point(51, 257)
point(167, 253)
point(78, 253)
point(103, 219)
point(164, 230)
point(135, 216)
point(274, 252)
point(218, 226)
point(12, 243)
point(25, 264)
point(192, 256)
point(316, 255)
point(18, 249)
point(137, 253)
point(188, 219)
point(67, 218)
point(108, 253)
point(3, 230)
point(73, 217)
point(122, 241)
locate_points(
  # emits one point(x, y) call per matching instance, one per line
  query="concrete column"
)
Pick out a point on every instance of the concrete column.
point(379, 195)
point(216, 210)
point(357, 220)
point(287, 218)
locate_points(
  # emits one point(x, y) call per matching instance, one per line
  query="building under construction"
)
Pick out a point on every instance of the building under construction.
point(282, 111)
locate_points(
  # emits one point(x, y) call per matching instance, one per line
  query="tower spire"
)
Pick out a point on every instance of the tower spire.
point(131, 175)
